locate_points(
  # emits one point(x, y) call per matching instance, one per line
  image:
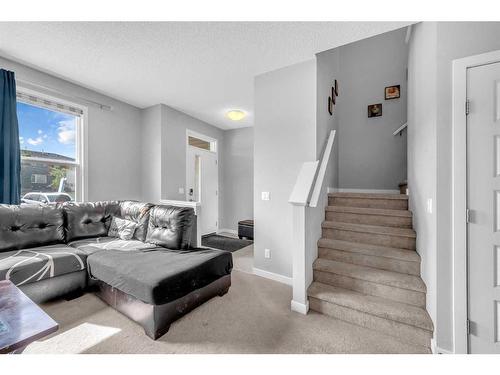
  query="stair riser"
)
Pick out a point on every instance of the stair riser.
point(382, 220)
point(370, 238)
point(389, 204)
point(403, 332)
point(389, 264)
point(410, 297)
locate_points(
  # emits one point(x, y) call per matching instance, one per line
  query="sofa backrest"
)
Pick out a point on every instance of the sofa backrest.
point(137, 212)
point(170, 226)
point(28, 226)
point(88, 219)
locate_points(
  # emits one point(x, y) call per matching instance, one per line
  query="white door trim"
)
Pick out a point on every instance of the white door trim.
point(459, 194)
point(215, 144)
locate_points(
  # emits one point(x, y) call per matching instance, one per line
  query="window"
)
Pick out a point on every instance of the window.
point(202, 142)
point(38, 178)
point(49, 135)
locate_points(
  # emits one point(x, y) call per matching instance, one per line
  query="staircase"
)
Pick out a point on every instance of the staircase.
point(368, 272)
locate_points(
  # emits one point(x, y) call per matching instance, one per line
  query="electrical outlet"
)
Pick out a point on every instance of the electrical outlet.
point(267, 253)
point(265, 196)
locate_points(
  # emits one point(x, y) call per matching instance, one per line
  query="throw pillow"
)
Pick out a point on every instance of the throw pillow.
point(121, 228)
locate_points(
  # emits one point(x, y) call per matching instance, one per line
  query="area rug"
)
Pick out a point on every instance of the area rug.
point(216, 241)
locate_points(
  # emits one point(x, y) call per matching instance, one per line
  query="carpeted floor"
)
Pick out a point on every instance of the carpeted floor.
point(254, 317)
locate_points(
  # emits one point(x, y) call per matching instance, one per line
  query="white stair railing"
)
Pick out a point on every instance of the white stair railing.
point(400, 129)
point(309, 183)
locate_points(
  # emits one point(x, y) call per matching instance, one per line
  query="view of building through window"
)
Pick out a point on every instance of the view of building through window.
point(48, 154)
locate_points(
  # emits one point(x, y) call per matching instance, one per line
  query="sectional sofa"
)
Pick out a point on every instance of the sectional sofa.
point(153, 278)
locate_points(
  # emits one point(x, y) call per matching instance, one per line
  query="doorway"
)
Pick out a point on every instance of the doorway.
point(202, 179)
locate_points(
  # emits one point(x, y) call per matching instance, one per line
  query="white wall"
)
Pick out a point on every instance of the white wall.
point(284, 138)
point(114, 146)
point(454, 40)
point(422, 171)
point(433, 48)
point(238, 181)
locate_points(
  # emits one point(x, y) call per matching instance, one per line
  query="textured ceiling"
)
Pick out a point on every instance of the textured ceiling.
point(201, 68)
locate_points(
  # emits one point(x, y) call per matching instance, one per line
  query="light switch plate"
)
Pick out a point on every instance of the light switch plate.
point(265, 196)
point(429, 206)
point(267, 253)
point(181, 190)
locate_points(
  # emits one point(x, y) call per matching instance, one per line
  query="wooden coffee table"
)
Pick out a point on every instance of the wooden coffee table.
point(21, 320)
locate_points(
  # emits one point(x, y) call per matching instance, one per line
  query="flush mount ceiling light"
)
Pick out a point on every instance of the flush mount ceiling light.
point(235, 115)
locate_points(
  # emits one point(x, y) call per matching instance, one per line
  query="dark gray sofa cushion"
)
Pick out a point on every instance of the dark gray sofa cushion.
point(28, 226)
point(39, 263)
point(159, 276)
point(137, 212)
point(89, 219)
point(91, 245)
point(170, 226)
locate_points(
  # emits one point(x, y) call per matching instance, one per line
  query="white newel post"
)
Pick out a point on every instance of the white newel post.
point(299, 302)
point(299, 201)
point(308, 176)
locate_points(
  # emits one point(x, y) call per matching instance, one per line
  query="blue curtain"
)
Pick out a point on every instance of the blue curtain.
point(10, 152)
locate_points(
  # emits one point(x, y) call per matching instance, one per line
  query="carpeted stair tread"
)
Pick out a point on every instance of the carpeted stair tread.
point(369, 196)
point(370, 250)
point(369, 211)
point(374, 229)
point(374, 275)
point(381, 307)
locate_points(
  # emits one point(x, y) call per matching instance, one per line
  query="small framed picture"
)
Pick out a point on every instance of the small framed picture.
point(392, 92)
point(375, 110)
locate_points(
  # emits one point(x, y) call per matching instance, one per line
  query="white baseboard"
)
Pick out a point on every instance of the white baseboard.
point(437, 350)
point(300, 307)
point(273, 276)
point(230, 231)
point(370, 191)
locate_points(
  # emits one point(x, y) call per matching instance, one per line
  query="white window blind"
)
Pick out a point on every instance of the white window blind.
point(49, 104)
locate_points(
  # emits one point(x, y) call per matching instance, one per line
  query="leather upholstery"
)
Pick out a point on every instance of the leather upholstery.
point(89, 219)
point(137, 212)
point(170, 227)
point(22, 227)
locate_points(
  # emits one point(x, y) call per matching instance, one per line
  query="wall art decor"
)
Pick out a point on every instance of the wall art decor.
point(392, 92)
point(375, 110)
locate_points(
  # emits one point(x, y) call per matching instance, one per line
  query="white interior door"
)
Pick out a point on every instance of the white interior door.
point(483, 190)
point(203, 185)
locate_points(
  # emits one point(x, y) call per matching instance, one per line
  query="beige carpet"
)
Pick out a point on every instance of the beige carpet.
point(254, 317)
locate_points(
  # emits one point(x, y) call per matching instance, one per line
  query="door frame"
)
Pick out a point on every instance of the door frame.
point(215, 143)
point(459, 195)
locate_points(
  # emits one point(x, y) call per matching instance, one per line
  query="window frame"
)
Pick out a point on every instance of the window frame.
point(81, 140)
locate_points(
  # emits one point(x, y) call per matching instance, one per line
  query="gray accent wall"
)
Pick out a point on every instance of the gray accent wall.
point(164, 152)
point(436, 45)
point(369, 156)
point(175, 125)
point(151, 148)
point(238, 177)
point(114, 137)
point(285, 137)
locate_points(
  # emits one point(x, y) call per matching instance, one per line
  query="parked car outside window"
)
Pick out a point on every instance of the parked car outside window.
point(45, 198)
